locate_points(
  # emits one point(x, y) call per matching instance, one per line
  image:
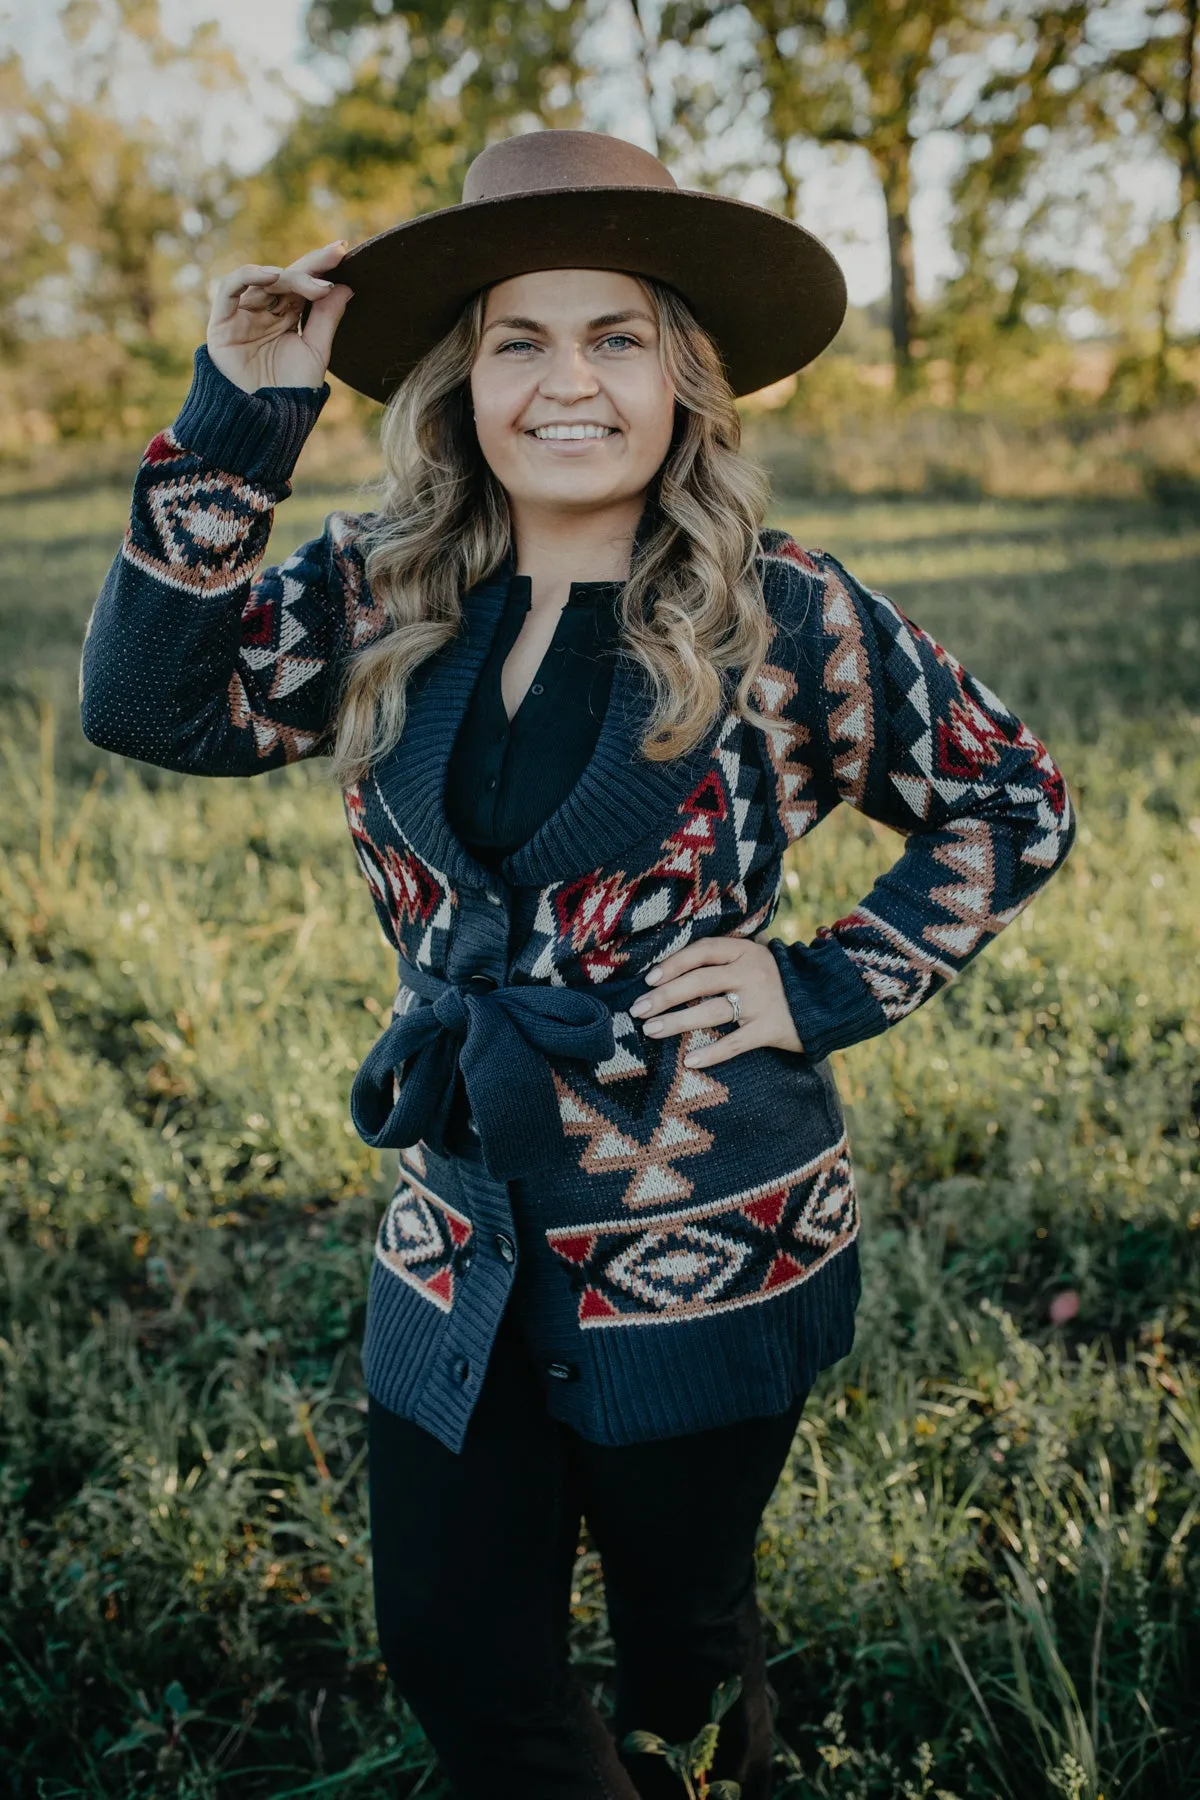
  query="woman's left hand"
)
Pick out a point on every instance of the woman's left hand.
point(697, 978)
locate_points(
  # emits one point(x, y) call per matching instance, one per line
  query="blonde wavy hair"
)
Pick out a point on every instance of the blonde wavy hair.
point(691, 608)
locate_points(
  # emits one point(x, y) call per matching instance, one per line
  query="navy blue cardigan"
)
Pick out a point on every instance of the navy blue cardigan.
point(681, 1243)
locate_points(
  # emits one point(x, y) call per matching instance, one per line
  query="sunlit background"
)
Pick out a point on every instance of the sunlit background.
point(979, 1570)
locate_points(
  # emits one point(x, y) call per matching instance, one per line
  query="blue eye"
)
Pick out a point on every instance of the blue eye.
point(620, 337)
point(518, 344)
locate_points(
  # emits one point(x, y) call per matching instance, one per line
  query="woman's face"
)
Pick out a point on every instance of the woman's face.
point(572, 407)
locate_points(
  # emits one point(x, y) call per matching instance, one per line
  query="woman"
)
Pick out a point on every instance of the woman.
point(580, 703)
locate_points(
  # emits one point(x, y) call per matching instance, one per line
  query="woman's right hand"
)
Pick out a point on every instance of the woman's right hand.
point(254, 334)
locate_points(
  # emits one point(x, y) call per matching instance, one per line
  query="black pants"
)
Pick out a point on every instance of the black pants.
point(473, 1559)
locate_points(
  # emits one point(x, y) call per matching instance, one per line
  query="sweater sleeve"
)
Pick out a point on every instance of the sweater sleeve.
point(195, 658)
point(892, 724)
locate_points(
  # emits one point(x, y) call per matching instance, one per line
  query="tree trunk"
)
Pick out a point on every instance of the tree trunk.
point(1168, 292)
point(1187, 161)
point(895, 172)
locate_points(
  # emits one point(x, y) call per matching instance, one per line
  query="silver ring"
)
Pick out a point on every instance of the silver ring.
point(736, 1004)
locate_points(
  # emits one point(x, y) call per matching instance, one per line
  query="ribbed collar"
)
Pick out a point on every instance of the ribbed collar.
point(619, 800)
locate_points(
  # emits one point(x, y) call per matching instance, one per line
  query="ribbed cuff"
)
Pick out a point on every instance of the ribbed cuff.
point(830, 1004)
point(258, 436)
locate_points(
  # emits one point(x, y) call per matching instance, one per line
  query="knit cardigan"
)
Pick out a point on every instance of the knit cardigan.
point(680, 1244)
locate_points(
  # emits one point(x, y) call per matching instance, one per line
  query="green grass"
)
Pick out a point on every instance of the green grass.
point(980, 1567)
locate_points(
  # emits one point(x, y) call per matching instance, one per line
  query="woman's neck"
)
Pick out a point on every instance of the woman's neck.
point(555, 548)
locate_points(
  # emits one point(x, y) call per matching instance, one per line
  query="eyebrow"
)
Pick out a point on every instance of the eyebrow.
point(516, 323)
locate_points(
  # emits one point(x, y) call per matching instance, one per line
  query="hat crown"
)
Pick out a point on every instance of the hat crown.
point(540, 161)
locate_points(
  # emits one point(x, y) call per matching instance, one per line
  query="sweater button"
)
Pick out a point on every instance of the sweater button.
point(506, 1248)
point(482, 984)
point(537, 688)
point(462, 1369)
point(562, 1371)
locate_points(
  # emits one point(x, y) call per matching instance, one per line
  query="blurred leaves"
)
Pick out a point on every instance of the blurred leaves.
point(114, 223)
point(108, 228)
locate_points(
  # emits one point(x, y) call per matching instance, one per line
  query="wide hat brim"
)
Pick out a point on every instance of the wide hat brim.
point(770, 294)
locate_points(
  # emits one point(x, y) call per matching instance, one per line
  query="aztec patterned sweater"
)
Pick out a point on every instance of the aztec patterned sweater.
point(680, 1244)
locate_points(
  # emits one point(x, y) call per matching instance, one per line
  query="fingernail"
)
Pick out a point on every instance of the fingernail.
point(320, 283)
point(653, 1026)
point(640, 1005)
point(653, 975)
point(689, 1061)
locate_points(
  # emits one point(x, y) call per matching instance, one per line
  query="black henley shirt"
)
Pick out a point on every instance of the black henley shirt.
point(506, 776)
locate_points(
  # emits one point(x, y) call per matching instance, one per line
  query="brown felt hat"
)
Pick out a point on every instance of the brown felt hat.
point(770, 293)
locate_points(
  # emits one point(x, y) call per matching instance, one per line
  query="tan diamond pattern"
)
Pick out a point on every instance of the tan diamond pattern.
point(609, 1147)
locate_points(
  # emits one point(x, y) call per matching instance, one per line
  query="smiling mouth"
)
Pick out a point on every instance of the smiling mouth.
point(571, 434)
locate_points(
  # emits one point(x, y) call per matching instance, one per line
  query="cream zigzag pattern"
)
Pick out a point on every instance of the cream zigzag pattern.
point(367, 617)
point(899, 974)
point(847, 673)
point(677, 1133)
point(682, 1265)
point(970, 856)
point(413, 1155)
point(268, 733)
point(774, 689)
point(206, 545)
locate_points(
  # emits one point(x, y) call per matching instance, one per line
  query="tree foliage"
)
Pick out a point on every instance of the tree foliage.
point(114, 221)
point(429, 86)
point(108, 222)
point(857, 73)
point(1040, 222)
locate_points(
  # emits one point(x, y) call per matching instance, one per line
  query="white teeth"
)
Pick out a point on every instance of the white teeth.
point(573, 432)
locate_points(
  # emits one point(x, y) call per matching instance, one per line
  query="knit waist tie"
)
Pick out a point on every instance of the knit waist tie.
point(499, 1037)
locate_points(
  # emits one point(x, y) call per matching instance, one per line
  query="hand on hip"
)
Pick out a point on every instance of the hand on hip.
point(688, 991)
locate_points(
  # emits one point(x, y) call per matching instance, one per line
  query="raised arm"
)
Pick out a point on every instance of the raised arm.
point(194, 659)
point(886, 720)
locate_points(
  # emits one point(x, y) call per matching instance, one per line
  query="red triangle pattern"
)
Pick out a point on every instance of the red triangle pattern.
point(766, 1209)
point(442, 1284)
point(593, 1305)
point(784, 1268)
point(966, 743)
point(576, 1248)
point(162, 448)
point(708, 796)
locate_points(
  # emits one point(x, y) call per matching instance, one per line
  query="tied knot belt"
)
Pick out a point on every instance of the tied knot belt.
point(499, 1037)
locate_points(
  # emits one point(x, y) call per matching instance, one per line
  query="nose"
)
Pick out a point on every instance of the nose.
point(566, 376)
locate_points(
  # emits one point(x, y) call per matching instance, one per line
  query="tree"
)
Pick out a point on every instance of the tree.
point(107, 220)
point(853, 72)
point(1082, 85)
point(429, 87)
point(1157, 76)
point(1016, 251)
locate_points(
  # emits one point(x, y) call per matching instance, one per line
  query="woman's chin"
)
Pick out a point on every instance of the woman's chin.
point(572, 491)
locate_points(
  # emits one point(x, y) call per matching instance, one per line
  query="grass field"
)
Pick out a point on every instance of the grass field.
point(980, 1567)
